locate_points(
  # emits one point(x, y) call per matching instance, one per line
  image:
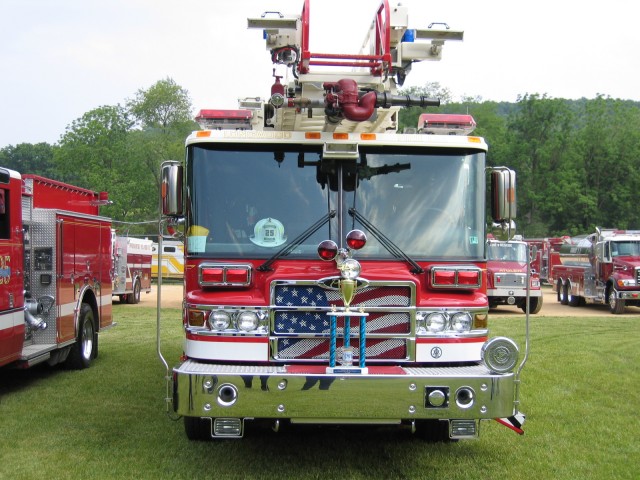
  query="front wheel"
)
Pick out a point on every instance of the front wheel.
point(84, 350)
point(616, 305)
point(535, 304)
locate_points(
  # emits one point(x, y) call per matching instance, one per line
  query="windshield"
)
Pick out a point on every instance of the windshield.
point(507, 251)
point(626, 248)
point(250, 201)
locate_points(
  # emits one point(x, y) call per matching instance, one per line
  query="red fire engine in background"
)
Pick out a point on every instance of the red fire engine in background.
point(55, 285)
point(276, 200)
point(547, 255)
point(131, 267)
point(602, 268)
point(508, 269)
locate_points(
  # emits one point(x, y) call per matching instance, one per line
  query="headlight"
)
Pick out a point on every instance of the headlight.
point(247, 321)
point(461, 322)
point(499, 354)
point(436, 322)
point(219, 320)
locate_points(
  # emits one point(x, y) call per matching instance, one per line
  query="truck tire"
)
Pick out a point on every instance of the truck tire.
point(562, 293)
point(535, 304)
point(134, 297)
point(616, 305)
point(83, 351)
point(197, 428)
point(572, 300)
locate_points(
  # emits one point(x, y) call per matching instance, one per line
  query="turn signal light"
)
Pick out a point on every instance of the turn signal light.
point(224, 275)
point(456, 277)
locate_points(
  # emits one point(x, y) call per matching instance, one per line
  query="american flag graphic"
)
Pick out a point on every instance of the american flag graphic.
point(306, 309)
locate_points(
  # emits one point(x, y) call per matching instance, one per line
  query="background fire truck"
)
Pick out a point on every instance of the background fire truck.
point(55, 285)
point(282, 322)
point(508, 269)
point(601, 268)
point(131, 267)
point(547, 255)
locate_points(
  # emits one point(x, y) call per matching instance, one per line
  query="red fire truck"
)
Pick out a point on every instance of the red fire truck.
point(335, 270)
point(131, 267)
point(547, 255)
point(507, 272)
point(601, 268)
point(55, 285)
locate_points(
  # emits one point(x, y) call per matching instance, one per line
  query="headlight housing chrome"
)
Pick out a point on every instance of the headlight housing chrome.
point(247, 321)
point(219, 320)
point(449, 322)
point(436, 322)
point(461, 322)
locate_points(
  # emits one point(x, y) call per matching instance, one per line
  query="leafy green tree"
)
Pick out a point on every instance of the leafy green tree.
point(164, 119)
point(96, 153)
point(539, 134)
point(31, 158)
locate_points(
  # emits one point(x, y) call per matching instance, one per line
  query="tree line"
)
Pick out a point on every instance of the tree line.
point(577, 161)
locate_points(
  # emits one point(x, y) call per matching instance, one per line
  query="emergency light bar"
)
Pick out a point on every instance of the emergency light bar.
point(446, 124)
point(224, 119)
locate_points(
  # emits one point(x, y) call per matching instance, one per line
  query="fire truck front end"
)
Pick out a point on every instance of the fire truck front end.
point(510, 278)
point(337, 279)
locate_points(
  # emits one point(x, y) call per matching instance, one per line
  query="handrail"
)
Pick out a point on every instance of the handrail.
point(379, 61)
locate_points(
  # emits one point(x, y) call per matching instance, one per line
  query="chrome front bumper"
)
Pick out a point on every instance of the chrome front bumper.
point(309, 395)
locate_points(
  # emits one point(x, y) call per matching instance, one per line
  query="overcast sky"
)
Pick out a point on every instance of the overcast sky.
point(62, 58)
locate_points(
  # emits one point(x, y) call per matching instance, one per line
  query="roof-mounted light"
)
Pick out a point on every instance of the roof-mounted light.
point(224, 119)
point(446, 124)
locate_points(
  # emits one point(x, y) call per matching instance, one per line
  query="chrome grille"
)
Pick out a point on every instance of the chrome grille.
point(510, 280)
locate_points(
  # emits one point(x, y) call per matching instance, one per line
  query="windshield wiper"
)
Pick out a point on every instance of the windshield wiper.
point(287, 249)
point(391, 247)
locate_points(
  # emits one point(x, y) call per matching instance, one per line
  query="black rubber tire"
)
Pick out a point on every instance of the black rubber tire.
point(84, 350)
point(616, 305)
point(560, 293)
point(535, 304)
point(572, 300)
point(134, 297)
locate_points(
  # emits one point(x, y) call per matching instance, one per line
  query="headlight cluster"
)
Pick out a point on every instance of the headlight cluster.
point(222, 320)
point(627, 282)
point(441, 322)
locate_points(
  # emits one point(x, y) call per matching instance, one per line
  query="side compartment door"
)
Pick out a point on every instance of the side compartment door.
point(11, 269)
point(68, 279)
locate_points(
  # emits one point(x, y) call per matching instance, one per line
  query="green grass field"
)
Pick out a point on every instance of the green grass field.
point(579, 391)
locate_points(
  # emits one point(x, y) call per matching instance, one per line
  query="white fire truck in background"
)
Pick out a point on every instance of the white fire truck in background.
point(131, 267)
point(55, 285)
point(335, 270)
point(172, 260)
point(602, 268)
point(508, 271)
